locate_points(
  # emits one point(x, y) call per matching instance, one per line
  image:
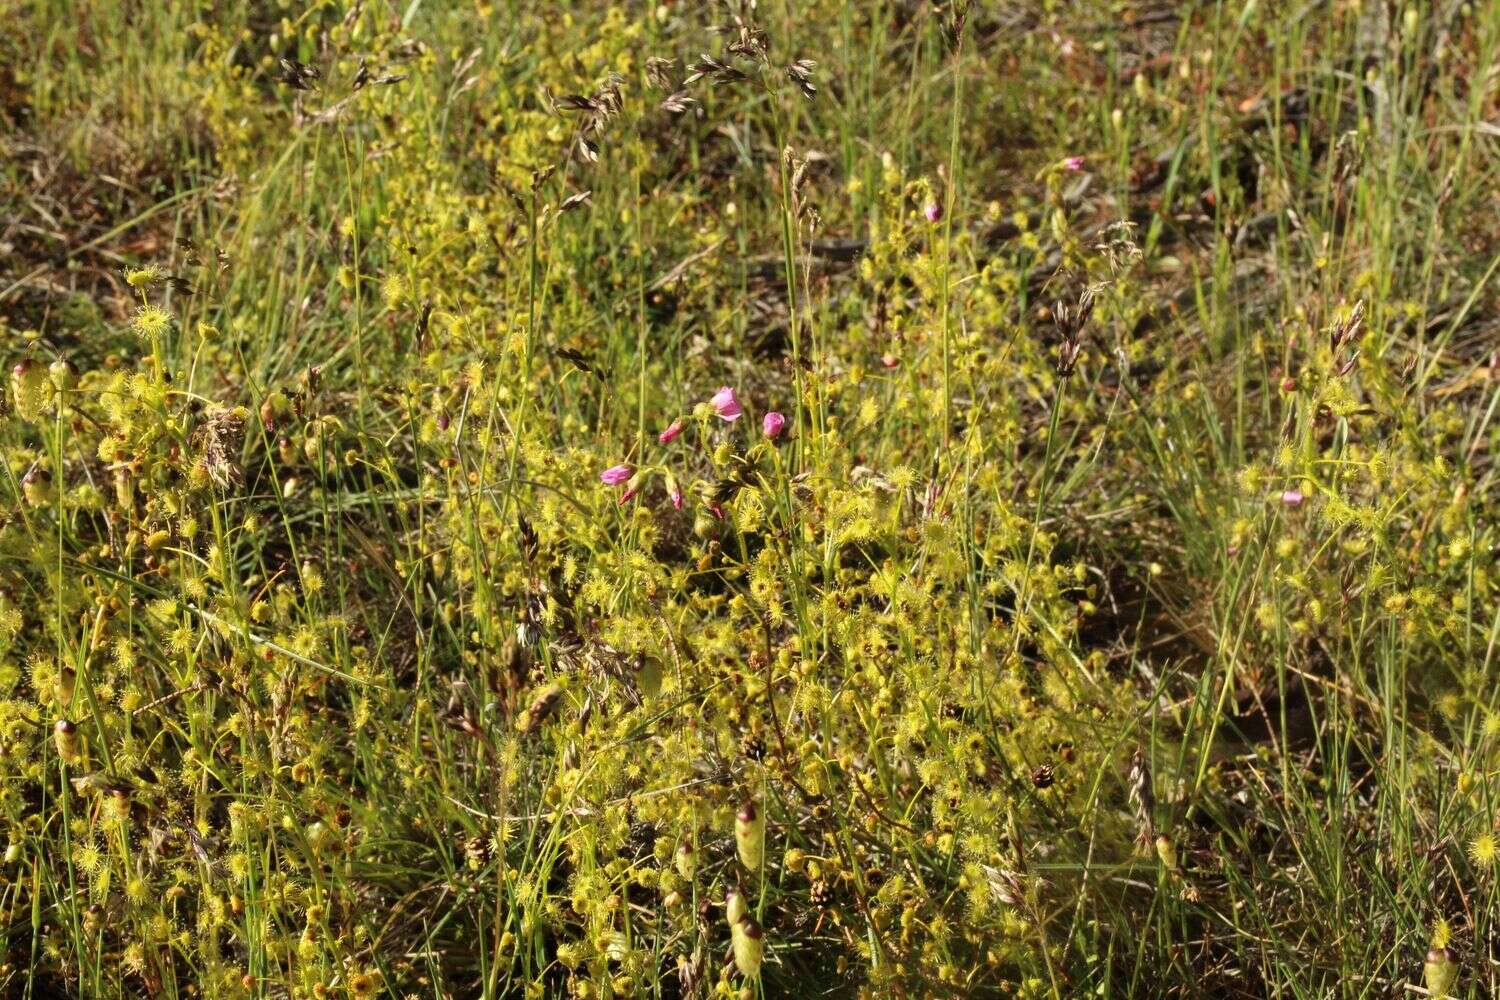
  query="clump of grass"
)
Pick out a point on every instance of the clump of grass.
point(874, 500)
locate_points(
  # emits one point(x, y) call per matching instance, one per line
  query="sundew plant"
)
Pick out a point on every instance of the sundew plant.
point(749, 498)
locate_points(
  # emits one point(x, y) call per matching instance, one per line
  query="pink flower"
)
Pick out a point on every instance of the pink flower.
point(675, 493)
point(933, 211)
point(625, 497)
point(725, 405)
point(773, 424)
point(1073, 164)
point(670, 434)
point(1292, 498)
point(889, 360)
point(615, 475)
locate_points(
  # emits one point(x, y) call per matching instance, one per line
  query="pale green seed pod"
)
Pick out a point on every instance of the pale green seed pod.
point(1166, 851)
point(749, 836)
point(687, 861)
point(37, 487)
point(273, 408)
point(735, 907)
point(65, 736)
point(30, 390)
point(62, 374)
point(749, 946)
point(1440, 971)
point(64, 686)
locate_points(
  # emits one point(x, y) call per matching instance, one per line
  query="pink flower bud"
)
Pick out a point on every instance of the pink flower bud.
point(670, 434)
point(615, 475)
point(625, 497)
point(675, 493)
point(773, 424)
point(933, 211)
point(725, 405)
point(889, 360)
point(1073, 164)
point(1292, 498)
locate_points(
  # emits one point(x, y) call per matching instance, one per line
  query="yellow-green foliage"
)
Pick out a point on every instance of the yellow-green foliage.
point(401, 594)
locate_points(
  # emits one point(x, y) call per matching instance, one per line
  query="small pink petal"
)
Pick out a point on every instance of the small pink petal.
point(676, 495)
point(1292, 498)
point(773, 424)
point(670, 434)
point(615, 475)
point(933, 212)
point(625, 497)
point(889, 360)
point(716, 511)
point(725, 405)
point(1073, 163)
